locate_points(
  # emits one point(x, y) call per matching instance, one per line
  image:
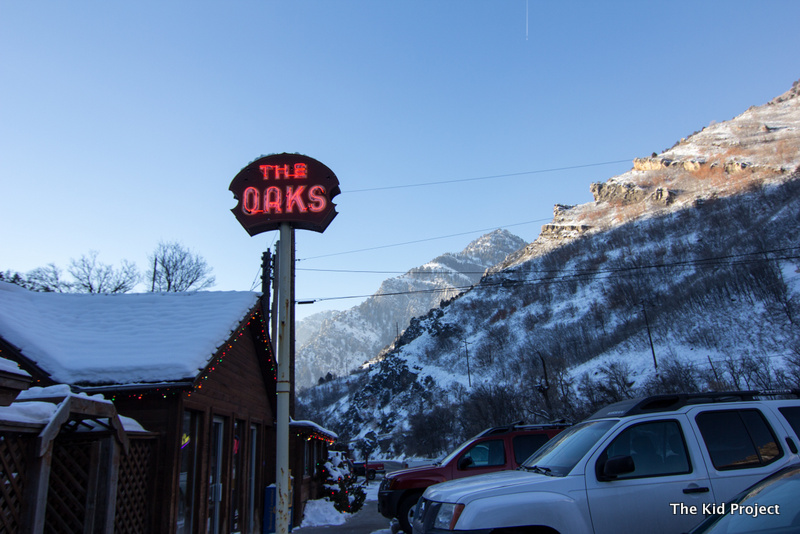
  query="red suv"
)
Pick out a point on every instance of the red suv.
point(494, 449)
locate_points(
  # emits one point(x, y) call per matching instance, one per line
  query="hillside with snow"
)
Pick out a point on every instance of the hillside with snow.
point(338, 343)
point(682, 275)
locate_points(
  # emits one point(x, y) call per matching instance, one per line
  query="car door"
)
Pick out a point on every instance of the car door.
point(740, 447)
point(664, 489)
point(484, 456)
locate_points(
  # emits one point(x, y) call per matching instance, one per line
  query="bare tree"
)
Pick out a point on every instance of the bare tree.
point(92, 276)
point(47, 278)
point(175, 268)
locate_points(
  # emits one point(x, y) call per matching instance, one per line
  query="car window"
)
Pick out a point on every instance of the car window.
point(489, 453)
point(792, 414)
point(657, 449)
point(738, 439)
point(526, 444)
point(562, 453)
point(457, 451)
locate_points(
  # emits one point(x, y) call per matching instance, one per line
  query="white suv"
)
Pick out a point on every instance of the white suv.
point(655, 465)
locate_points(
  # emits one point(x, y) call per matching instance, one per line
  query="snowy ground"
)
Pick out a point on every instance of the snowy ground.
point(321, 512)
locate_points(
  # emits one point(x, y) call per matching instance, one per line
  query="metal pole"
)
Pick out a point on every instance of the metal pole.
point(466, 353)
point(285, 319)
point(652, 349)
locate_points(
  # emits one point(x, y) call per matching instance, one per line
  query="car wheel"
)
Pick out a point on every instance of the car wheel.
point(371, 474)
point(405, 513)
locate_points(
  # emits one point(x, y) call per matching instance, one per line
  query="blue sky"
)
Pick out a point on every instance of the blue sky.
point(122, 124)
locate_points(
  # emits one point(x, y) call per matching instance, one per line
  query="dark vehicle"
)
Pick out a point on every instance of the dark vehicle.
point(770, 506)
point(494, 449)
point(368, 470)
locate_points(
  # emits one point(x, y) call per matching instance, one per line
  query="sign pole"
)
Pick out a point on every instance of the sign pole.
point(285, 320)
point(284, 192)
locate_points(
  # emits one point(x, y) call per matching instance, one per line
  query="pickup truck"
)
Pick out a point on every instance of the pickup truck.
point(655, 465)
point(494, 449)
point(369, 470)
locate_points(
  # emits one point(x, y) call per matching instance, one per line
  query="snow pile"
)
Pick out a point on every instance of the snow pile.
point(34, 413)
point(321, 512)
point(11, 367)
point(38, 405)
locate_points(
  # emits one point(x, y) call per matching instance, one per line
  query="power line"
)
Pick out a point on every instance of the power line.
point(460, 180)
point(715, 260)
point(492, 177)
point(582, 274)
point(378, 247)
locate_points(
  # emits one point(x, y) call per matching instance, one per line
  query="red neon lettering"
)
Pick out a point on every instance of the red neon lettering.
point(250, 201)
point(272, 200)
point(317, 197)
point(300, 171)
point(293, 199)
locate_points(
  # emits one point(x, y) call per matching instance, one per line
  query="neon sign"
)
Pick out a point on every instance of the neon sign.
point(285, 188)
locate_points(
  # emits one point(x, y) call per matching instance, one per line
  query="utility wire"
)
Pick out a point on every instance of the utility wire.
point(714, 260)
point(492, 177)
point(586, 274)
point(420, 240)
point(460, 180)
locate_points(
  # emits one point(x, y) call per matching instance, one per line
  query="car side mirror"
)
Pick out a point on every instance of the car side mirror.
point(615, 466)
point(465, 462)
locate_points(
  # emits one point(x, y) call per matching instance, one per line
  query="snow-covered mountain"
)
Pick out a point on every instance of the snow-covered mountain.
point(341, 342)
point(682, 275)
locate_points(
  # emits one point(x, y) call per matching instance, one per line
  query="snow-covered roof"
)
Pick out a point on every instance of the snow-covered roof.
point(312, 427)
point(7, 366)
point(120, 339)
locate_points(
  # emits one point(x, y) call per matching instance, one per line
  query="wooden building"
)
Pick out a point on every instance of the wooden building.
point(310, 444)
point(196, 370)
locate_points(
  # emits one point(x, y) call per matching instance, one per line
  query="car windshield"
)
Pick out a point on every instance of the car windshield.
point(457, 451)
point(771, 506)
point(559, 455)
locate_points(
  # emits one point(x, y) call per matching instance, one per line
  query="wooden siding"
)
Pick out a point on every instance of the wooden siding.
point(239, 385)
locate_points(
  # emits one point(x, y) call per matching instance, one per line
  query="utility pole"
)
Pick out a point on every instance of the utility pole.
point(155, 266)
point(545, 389)
point(266, 277)
point(716, 376)
point(650, 337)
point(466, 353)
point(266, 280)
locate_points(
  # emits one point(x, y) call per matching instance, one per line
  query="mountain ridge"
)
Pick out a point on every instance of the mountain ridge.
point(343, 341)
point(683, 274)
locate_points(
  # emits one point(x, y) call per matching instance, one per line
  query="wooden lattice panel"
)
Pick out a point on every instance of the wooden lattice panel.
point(133, 494)
point(14, 461)
point(69, 480)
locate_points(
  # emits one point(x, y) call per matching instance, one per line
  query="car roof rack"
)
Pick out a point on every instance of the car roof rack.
point(669, 402)
point(520, 425)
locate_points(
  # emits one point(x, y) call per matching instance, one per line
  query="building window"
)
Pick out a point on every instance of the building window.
point(190, 430)
point(251, 481)
point(216, 488)
point(237, 475)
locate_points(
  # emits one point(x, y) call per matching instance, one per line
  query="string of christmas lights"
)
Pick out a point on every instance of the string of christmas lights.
point(256, 320)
